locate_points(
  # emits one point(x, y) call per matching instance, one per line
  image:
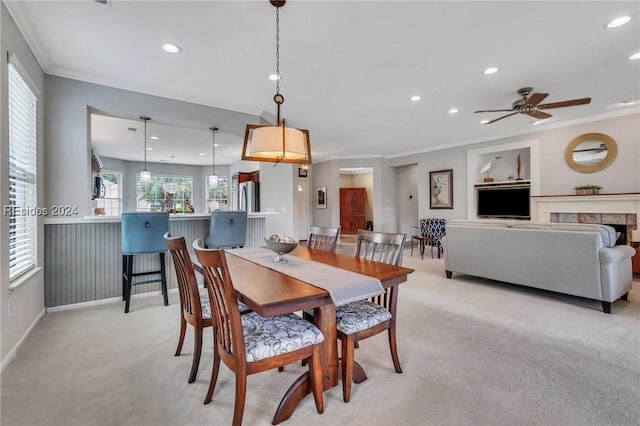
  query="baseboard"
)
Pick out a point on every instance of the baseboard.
point(105, 301)
point(12, 353)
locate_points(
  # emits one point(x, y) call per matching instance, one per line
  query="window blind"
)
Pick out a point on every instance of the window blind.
point(23, 210)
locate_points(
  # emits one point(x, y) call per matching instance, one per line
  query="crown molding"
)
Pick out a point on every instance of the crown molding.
point(22, 21)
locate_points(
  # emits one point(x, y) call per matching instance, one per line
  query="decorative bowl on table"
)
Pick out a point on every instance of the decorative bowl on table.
point(281, 245)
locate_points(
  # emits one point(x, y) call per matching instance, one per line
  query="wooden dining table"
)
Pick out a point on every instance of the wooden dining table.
point(268, 293)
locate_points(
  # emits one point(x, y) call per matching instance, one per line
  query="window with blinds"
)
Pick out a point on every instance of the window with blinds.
point(22, 209)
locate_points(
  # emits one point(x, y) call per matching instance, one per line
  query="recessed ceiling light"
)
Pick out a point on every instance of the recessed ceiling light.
point(149, 148)
point(535, 123)
point(132, 129)
point(618, 22)
point(634, 56)
point(415, 98)
point(202, 153)
point(273, 77)
point(453, 110)
point(216, 144)
point(155, 138)
point(490, 70)
point(484, 121)
point(171, 48)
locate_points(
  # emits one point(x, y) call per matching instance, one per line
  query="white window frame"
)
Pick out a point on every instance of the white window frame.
point(209, 201)
point(22, 210)
point(117, 200)
point(180, 206)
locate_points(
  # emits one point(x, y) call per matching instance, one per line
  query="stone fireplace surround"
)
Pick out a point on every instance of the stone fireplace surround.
point(608, 209)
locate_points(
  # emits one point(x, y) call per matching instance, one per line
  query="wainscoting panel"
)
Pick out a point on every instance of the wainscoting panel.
point(83, 261)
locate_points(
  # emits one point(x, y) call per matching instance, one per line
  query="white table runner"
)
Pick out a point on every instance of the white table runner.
point(343, 286)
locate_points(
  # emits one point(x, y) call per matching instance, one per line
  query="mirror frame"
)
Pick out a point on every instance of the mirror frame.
point(612, 151)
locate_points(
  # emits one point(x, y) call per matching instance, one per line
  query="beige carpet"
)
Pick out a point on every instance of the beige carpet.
point(474, 352)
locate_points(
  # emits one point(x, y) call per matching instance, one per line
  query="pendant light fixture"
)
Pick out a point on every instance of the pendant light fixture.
point(145, 175)
point(213, 179)
point(277, 144)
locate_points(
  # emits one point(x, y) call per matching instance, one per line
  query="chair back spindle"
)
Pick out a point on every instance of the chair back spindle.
point(323, 238)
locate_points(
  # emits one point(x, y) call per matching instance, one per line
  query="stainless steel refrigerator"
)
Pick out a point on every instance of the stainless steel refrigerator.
point(250, 196)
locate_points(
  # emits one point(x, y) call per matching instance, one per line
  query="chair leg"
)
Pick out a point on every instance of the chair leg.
point(241, 391)
point(315, 373)
point(197, 350)
point(129, 272)
point(214, 375)
point(393, 348)
point(163, 278)
point(124, 275)
point(183, 330)
point(347, 366)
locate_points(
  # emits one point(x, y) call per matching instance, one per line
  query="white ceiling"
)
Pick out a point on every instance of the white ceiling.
point(349, 68)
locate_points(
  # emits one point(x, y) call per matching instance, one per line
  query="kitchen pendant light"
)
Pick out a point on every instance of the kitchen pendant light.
point(145, 175)
point(213, 179)
point(277, 144)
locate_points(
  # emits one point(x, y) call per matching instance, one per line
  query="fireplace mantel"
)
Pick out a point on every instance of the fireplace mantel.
point(543, 205)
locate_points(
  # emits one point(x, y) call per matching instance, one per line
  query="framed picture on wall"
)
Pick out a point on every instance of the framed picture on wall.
point(321, 202)
point(441, 189)
point(302, 172)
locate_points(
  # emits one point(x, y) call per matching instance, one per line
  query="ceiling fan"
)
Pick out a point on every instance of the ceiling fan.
point(530, 105)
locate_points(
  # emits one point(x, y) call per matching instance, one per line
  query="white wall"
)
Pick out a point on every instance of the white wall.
point(407, 198)
point(27, 300)
point(69, 103)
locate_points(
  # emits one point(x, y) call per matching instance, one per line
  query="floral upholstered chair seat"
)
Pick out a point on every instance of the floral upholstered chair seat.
point(268, 337)
point(358, 316)
point(206, 307)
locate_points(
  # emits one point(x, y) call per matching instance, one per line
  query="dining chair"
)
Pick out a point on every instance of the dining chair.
point(433, 229)
point(194, 302)
point(323, 238)
point(249, 344)
point(362, 319)
point(142, 233)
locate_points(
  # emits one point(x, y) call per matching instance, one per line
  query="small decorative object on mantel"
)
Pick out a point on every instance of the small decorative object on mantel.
point(587, 189)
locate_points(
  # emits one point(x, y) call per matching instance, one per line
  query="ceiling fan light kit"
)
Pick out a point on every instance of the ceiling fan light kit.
point(530, 105)
point(277, 144)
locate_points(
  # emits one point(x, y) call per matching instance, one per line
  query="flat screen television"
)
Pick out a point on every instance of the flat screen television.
point(504, 202)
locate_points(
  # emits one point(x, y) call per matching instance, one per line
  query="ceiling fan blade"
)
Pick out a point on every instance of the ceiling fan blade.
point(536, 98)
point(565, 103)
point(500, 118)
point(538, 114)
point(494, 110)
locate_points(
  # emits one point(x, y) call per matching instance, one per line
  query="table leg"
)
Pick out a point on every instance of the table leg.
point(324, 318)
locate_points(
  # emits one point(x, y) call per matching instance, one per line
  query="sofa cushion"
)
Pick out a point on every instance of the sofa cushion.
point(607, 233)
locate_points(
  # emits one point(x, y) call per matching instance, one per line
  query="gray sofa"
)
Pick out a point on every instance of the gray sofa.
point(576, 259)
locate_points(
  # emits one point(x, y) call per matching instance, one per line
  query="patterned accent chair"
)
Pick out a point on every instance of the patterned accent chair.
point(142, 233)
point(322, 238)
point(434, 230)
point(358, 320)
point(251, 344)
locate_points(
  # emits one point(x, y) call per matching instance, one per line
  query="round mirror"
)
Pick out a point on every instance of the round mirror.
point(590, 152)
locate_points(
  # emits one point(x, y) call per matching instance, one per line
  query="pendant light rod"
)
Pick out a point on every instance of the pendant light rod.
point(213, 149)
point(145, 176)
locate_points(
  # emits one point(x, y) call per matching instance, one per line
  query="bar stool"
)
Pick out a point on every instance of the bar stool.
point(227, 229)
point(143, 233)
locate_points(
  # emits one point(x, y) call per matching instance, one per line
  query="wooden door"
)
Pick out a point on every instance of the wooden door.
point(352, 202)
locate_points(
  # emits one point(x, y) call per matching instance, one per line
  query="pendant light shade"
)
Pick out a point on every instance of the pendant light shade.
point(145, 175)
point(213, 179)
point(277, 144)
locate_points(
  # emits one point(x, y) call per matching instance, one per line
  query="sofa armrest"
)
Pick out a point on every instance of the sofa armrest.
point(615, 269)
point(616, 254)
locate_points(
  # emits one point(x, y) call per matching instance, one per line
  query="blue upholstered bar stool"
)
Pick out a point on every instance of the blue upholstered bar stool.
point(143, 233)
point(227, 229)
